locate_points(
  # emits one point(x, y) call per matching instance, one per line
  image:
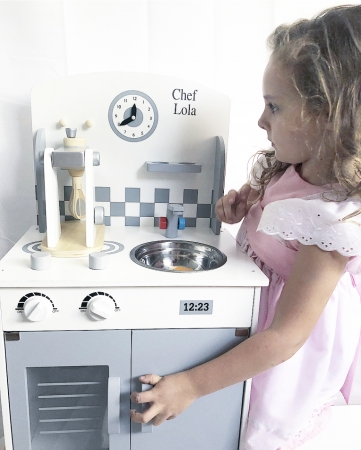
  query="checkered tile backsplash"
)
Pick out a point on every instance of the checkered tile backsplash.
point(134, 212)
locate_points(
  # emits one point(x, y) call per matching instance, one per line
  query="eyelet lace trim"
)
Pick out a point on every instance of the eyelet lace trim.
point(317, 423)
point(314, 221)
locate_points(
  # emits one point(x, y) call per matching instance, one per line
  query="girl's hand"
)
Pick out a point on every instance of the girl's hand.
point(170, 396)
point(233, 207)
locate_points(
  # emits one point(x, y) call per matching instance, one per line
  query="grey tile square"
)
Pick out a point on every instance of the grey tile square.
point(191, 222)
point(132, 195)
point(190, 196)
point(67, 193)
point(161, 195)
point(132, 221)
point(203, 211)
point(107, 221)
point(147, 210)
point(62, 208)
point(102, 194)
point(117, 209)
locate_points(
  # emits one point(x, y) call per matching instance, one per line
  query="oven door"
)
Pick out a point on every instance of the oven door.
point(69, 389)
point(210, 423)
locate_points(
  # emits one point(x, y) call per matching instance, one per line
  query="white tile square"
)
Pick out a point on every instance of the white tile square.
point(160, 209)
point(176, 195)
point(146, 222)
point(116, 222)
point(204, 196)
point(203, 223)
point(147, 195)
point(190, 210)
point(132, 209)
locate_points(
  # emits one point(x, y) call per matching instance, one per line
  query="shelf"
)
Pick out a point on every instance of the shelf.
point(182, 167)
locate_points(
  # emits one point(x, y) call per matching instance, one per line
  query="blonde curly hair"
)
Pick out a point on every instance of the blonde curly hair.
point(323, 56)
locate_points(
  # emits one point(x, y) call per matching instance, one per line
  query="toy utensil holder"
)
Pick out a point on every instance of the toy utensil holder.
point(76, 237)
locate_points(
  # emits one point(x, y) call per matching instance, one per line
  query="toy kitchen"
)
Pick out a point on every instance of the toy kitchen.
point(127, 271)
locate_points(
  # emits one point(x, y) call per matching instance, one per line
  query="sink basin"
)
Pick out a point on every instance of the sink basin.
point(177, 256)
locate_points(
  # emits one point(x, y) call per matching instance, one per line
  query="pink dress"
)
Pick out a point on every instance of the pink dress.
point(289, 403)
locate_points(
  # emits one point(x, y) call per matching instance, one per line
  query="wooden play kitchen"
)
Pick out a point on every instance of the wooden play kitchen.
point(127, 270)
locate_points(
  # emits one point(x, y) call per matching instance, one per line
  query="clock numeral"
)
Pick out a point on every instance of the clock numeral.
point(135, 98)
point(125, 100)
point(150, 118)
point(118, 106)
point(196, 307)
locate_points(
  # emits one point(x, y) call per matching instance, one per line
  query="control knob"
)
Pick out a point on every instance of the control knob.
point(101, 307)
point(37, 308)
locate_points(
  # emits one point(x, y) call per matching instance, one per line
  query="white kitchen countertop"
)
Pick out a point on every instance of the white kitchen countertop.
point(238, 271)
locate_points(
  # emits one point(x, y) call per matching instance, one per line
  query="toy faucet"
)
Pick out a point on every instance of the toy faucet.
point(174, 220)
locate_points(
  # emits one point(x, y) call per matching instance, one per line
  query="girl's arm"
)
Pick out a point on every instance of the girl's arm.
point(234, 206)
point(314, 276)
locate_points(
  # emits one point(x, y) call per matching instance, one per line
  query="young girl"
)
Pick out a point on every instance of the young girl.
point(302, 228)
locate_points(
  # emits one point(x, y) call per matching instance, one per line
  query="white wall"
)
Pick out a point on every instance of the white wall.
point(217, 43)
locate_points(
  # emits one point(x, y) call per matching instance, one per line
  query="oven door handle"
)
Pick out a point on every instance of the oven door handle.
point(114, 405)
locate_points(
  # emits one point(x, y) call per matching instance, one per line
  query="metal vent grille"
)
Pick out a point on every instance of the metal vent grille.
point(68, 407)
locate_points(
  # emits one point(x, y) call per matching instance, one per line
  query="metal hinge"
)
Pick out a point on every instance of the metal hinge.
point(242, 332)
point(12, 336)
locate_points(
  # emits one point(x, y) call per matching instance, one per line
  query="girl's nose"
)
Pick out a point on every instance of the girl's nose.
point(262, 122)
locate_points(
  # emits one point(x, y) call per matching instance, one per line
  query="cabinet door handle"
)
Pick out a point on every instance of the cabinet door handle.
point(113, 405)
point(146, 427)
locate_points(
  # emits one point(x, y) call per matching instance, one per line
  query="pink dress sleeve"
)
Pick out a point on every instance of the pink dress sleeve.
point(314, 221)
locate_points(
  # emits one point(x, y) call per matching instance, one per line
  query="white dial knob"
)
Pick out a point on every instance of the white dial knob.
point(101, 307)
point(37, 308)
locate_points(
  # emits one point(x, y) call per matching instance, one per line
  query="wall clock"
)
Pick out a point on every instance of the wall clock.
point(133, 116)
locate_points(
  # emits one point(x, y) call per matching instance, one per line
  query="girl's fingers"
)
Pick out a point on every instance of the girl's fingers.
point(141, 397)
point(150, 379)
point(145, 396)
point(171, 395)
point(148, 415)
point(223, 208)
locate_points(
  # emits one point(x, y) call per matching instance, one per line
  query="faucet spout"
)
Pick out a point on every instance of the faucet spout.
point(175, 220)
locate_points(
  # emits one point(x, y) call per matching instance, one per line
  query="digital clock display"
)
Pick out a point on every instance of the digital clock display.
point(196, 307)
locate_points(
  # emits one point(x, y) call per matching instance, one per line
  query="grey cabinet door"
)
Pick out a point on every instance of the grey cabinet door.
point(70, 390)
point(210, 423)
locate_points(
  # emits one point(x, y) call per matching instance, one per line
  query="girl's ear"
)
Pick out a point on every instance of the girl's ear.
point(329, 125)
point(327, 122)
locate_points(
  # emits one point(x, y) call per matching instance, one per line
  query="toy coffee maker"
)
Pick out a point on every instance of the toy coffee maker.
point(85, 233)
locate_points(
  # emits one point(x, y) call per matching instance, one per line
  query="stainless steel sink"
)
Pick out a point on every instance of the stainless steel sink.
point(177, 256)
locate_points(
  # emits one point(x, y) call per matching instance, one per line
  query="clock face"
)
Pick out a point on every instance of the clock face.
point(133, 116)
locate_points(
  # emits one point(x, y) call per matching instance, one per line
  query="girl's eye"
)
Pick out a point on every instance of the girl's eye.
point(273, 108)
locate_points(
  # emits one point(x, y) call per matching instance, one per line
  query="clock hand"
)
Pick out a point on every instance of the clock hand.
point(126, 121)
point(131, 118)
